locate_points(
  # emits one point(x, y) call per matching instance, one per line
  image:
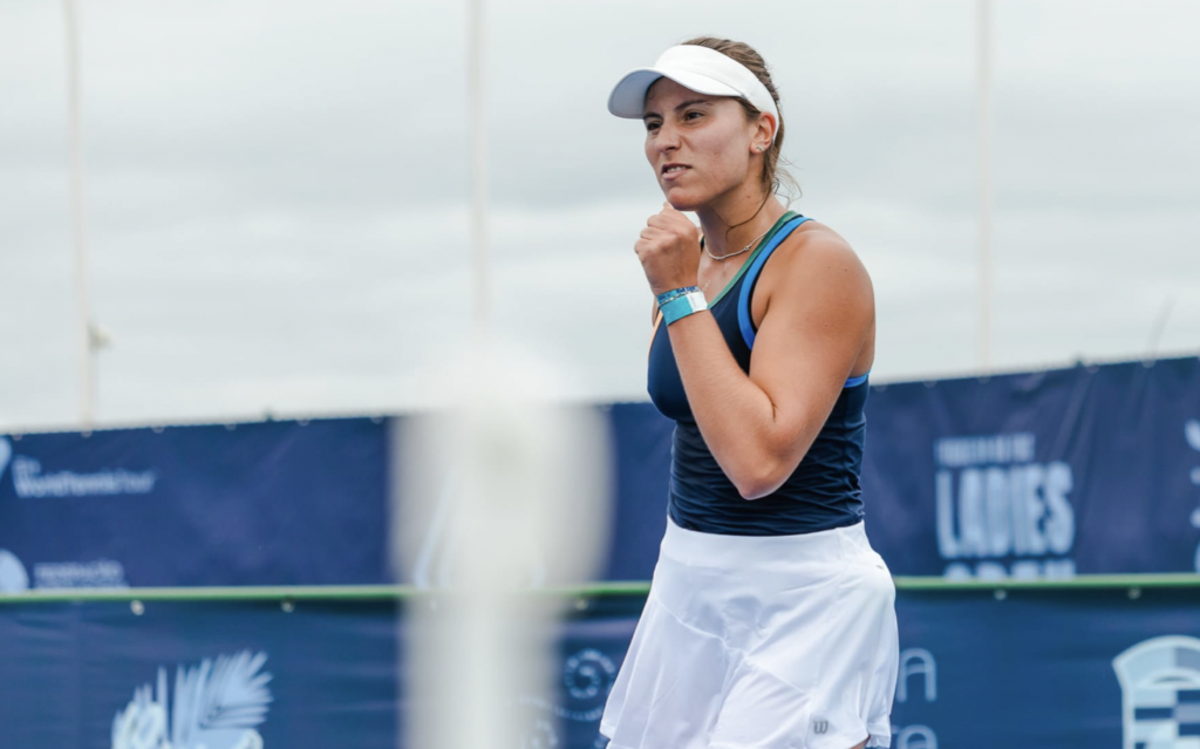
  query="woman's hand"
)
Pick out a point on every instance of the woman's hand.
point(669, 248)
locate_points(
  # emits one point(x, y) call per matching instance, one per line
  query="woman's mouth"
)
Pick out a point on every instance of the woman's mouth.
point(672, 171)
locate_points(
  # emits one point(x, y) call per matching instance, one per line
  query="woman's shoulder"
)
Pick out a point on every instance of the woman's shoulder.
point(816, 237)
point(816, 254)
point(817, 289)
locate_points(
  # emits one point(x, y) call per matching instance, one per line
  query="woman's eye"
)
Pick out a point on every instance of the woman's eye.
point(651, 126)
point(689, 115)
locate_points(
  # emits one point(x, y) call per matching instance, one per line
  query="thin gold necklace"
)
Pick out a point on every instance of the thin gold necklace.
point(739, 252)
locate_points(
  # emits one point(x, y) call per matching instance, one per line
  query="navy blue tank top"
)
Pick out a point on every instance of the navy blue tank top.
point(822, 493)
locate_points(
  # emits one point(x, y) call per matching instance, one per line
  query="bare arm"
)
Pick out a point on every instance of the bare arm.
point(819, 313)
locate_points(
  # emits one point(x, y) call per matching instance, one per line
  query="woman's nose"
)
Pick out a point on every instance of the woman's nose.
point(667, 139)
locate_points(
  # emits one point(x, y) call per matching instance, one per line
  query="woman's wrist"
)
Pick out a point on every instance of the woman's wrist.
point(683, 305)
point(667, 296)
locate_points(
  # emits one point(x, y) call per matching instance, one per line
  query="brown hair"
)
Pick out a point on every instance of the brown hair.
point(773, 177)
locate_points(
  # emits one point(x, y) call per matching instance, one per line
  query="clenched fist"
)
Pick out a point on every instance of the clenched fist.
point(669, 248)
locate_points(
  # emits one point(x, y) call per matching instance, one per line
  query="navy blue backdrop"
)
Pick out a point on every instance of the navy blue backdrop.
point(273, 503)
point(1048, 474)
point(1083, 470)
point(1086, 470)
point(1073, 669)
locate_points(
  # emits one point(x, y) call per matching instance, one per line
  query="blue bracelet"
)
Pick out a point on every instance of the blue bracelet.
point(684, 305)
point(667, 296)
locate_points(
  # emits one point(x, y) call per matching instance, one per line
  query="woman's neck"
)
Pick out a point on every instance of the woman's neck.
point(731, 225)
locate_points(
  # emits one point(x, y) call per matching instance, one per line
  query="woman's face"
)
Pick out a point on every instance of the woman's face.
point(699, 145)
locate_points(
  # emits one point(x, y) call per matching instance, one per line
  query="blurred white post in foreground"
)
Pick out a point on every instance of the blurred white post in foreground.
point(504, 493)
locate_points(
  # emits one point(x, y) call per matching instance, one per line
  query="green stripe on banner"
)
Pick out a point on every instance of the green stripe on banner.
point(382, 592)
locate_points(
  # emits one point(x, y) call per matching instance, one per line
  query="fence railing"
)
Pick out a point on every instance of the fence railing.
point(384, 592)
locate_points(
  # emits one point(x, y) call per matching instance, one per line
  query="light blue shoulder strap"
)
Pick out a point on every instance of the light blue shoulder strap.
point(744, 320)
point(854, 382)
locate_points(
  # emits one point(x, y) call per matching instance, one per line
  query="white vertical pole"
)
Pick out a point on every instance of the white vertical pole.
point(986, 196)
point(480, 296)
point(86, 388)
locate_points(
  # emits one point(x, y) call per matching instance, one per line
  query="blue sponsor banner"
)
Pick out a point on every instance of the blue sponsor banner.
point(1044, 475)
point(271, 503)
point(1047, 474)
point(1063, 668)
point(1074, 668)
point(188, 675)
point(1087, 470)
point(642, 468)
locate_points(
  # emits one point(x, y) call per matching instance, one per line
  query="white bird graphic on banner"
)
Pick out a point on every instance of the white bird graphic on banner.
point(217, 705)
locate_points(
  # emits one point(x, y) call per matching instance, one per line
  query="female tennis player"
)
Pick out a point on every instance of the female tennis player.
point(770, 622)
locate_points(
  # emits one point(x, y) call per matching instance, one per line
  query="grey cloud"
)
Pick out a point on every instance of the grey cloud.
point(277, 200)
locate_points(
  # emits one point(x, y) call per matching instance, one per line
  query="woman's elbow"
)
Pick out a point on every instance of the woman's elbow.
point(751, 492)
point(761, 471)
point(757, 484)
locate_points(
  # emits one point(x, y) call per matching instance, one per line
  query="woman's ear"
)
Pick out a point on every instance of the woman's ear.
point(765, 135)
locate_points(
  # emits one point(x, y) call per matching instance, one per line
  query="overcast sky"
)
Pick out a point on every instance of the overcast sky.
point(277, 191)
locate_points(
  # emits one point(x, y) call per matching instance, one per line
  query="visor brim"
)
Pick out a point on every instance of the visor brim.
point(628, 97)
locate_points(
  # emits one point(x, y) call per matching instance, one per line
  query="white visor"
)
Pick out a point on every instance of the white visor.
point(703, 70)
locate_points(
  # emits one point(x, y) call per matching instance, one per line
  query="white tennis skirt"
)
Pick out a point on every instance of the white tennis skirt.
point(775, 642)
